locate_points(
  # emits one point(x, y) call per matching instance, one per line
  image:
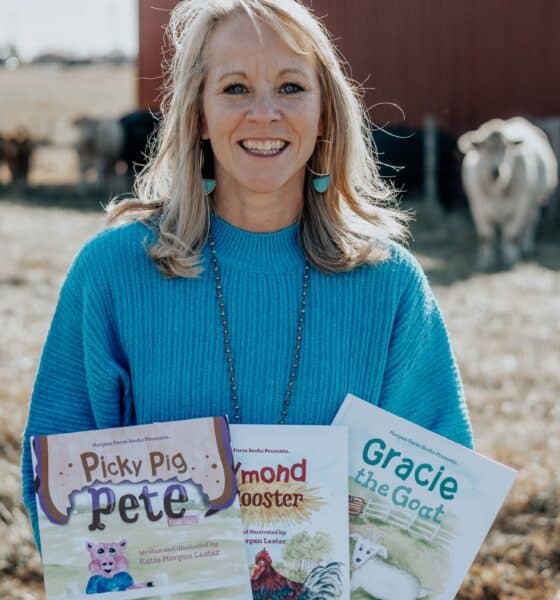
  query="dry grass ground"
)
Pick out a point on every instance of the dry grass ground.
point(505, 329)
point(506, 334)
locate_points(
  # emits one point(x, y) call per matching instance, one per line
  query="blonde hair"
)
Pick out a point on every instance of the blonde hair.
point(341, 229)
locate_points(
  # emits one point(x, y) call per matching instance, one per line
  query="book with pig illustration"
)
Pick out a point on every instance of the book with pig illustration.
point(148, 511)
point(293, 491)
point(420, 506)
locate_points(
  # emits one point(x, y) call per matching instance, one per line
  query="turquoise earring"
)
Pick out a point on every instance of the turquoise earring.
point(209, 186)
point(321, 183)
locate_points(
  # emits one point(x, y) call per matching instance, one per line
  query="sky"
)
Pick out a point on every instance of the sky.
point(81, 27)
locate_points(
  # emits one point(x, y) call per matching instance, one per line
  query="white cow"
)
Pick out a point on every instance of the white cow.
point(509, 171)
point(99, 146)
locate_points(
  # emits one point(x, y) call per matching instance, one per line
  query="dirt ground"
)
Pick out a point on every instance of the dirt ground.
point(505, 328)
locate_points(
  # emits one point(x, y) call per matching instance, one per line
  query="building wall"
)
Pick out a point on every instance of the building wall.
point(153, 16)
point(464, 61)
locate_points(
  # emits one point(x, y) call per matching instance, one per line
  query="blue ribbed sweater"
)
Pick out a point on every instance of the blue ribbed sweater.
point(127, 345)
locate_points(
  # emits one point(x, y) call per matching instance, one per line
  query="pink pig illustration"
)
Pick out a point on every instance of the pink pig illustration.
point(108, 566)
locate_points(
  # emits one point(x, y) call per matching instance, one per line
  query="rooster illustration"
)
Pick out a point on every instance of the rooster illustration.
point(322, 583)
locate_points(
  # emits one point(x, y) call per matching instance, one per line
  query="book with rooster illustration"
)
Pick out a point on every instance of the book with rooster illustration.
point(293, 491)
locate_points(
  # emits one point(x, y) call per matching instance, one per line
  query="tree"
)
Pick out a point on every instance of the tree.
point(321, 547)
point(306, 551)
point(298, 549)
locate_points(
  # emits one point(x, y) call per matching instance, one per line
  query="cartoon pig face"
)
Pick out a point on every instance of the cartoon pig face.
point(107, 559)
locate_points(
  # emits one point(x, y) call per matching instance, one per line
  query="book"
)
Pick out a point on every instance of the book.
point(148, 511)
point(419, 504)
point(293, 491)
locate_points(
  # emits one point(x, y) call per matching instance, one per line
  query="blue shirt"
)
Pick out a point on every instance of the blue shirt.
point(98, 584)
point(130, 346)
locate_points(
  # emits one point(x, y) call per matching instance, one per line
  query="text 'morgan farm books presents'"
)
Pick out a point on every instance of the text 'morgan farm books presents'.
point(293, 491)
point(420, 506)
point(148, 511)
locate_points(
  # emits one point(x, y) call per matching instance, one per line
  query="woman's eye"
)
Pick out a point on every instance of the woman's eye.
point(235, 88)
point(291, 88)
point(239, 88)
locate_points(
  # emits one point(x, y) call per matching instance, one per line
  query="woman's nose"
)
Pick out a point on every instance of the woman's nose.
point(264, 108)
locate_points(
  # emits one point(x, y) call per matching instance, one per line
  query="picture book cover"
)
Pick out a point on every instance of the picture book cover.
point(148, 511)
point(420, 506)
point(293, 491)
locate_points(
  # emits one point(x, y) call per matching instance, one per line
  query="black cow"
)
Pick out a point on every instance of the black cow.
point(401, 154)
point(16, 151)
point(138, 127)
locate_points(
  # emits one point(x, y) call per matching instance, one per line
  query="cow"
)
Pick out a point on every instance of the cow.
point(99, 146)
point(16, 151)
point(138, 128)
point(102, 143)
point(508, 172)
point(401, 156)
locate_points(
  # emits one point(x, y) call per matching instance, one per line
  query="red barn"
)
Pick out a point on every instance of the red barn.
point(463, 62)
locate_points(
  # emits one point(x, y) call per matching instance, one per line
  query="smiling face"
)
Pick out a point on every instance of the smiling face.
point(261, 109)
point(107, 559)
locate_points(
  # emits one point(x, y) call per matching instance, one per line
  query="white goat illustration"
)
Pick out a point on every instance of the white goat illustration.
point(378, 578)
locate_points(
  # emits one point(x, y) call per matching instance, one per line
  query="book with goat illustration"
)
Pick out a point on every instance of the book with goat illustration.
point(420, 506)
point(148, 511)
point(293, 491)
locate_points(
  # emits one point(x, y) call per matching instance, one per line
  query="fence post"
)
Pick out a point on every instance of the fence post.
point(435, 533)
point(431, 166)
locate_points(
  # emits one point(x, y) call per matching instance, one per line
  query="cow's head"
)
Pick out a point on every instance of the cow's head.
point(84, 122)
point(496, 150)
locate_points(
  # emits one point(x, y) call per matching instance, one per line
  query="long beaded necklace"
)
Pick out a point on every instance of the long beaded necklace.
point(227, 345)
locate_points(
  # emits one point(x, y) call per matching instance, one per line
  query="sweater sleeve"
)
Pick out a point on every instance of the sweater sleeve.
point(82, 380)
point(421, 380)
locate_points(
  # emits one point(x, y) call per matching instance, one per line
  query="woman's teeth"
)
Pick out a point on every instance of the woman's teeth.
point(264, 147)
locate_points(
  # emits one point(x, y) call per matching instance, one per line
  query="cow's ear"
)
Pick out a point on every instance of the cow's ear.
point(122, 543)
point(465, 142)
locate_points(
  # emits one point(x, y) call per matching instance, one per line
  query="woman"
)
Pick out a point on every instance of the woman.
point(258, 276)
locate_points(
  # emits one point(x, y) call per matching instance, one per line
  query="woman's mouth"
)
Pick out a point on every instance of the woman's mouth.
point(263, 147)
